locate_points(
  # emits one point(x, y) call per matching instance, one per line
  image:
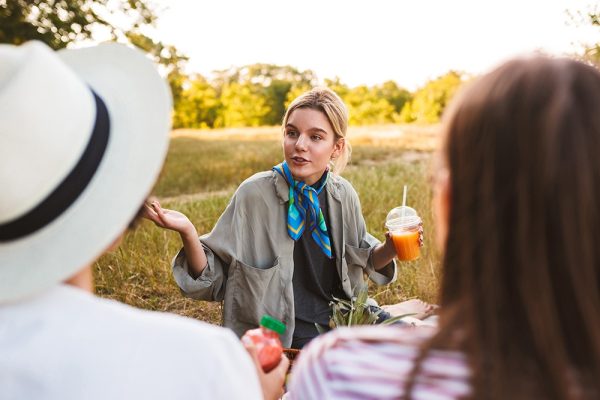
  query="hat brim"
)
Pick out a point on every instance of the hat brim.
point(139, 105)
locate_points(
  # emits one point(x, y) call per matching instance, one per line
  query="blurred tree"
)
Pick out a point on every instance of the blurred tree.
point(295, 91)
point(276, 95)
point(166, 55)
point(395, 95)
point(178, 81)
point(406, 114)
point(588, 18)
point(198, 105)
point(171, 61)
point(269, 84)
point(263, 74)
point(60, 22)
point(243, 104)
point(429, 102)
point(367, 107)
point(337, 86)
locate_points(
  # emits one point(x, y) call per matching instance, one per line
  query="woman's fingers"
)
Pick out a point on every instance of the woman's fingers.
point(155, 205)
point(155, 213)
point(149, 213)
point(277, 375)
point(283, 366)
point(271, 382)
point(251, 349)
point(160, 213)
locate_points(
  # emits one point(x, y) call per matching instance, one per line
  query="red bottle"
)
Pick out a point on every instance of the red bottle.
point(266, 340)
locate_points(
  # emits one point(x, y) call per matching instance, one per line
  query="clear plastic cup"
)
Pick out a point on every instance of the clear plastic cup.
point(405, 232)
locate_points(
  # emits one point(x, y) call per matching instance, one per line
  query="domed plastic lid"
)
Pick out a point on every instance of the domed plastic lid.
point(273, 324)
point(395, 215)
point(396, 221)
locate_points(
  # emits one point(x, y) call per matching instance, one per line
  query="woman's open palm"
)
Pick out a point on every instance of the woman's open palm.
point(165, 218)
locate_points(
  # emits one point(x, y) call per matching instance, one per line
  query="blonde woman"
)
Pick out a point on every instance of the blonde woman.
point(290, 238)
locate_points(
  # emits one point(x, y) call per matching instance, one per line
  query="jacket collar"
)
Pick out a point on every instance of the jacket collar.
point(283, 191)
point(335, 214)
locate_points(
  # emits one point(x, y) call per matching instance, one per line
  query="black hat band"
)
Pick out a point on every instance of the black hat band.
point(65, 194)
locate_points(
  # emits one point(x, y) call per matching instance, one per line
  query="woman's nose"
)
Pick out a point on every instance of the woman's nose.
point(301, 143)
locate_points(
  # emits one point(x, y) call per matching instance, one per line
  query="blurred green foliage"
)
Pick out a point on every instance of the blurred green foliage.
point(244, 96)
point(258, 94)
point(590, 18)
point(428, 103)
point(60, 22)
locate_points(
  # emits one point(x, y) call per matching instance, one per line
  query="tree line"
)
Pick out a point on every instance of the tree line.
point(250, 95)
point(258, 95)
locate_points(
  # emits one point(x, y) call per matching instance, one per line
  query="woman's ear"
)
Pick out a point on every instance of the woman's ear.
point(338, 147)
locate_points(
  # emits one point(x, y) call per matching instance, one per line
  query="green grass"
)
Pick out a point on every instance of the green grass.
point(202, 170)
point(201, 165)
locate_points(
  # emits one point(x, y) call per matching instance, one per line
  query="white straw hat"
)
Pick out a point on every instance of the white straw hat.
point(83, 135)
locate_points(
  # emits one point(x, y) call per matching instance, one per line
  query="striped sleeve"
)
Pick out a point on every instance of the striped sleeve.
point(374, 363)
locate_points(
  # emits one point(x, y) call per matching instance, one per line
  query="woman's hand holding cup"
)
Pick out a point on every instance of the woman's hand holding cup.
point(406, 231)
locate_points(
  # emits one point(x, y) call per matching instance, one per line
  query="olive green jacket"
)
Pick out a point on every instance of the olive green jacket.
point(250, 254)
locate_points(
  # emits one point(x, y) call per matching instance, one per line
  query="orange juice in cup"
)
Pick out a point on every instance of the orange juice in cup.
point(404, 228)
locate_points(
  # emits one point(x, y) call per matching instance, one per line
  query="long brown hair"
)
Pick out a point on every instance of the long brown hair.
point(520, 291)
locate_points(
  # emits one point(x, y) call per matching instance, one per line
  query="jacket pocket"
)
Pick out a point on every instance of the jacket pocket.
point(356, 259)
point(256, 292)
point(356, 256)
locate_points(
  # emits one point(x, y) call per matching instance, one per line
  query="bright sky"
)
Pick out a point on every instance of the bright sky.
point(369, 41)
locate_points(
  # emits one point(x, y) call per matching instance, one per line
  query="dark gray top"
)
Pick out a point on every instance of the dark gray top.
point(315, 281)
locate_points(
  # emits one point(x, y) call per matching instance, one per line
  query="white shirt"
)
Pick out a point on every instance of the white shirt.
point(68, 344)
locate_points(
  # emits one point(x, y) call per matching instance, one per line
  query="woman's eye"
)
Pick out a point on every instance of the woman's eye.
point(292, 133)
point(316, 138)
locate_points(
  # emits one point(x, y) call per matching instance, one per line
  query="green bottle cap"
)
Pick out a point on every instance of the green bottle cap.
point(273, 324)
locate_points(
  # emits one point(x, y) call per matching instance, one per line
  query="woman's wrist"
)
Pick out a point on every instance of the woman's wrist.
point(189, 233)
point(390, 249)
point(383, 254)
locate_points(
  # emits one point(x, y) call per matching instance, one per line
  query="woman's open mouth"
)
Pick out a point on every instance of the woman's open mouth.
point(300, 160)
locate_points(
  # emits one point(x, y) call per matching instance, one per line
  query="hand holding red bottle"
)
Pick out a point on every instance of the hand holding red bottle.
point(266, 341)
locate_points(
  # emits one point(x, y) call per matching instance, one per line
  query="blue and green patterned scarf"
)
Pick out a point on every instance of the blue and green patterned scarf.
point(304, 210)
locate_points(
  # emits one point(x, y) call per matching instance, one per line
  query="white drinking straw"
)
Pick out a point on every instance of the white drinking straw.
point(403, 203)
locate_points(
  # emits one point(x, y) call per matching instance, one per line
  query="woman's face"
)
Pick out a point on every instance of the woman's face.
point(309, 143)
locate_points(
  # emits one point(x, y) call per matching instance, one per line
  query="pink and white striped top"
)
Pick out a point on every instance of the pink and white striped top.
point(373, 363)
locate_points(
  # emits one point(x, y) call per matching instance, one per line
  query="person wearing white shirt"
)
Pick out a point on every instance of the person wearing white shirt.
point(83, 136)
